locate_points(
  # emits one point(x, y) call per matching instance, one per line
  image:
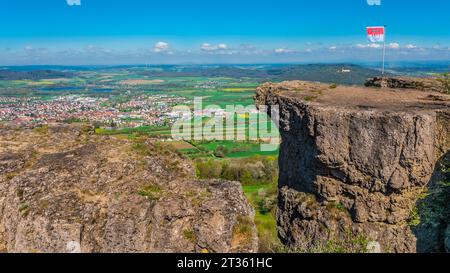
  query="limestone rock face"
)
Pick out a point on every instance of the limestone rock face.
point(64, 189)
point(354, 163)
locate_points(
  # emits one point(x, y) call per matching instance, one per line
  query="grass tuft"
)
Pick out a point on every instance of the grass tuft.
point(152, 192)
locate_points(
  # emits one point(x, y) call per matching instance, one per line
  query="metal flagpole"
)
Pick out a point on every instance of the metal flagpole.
point(384, 51)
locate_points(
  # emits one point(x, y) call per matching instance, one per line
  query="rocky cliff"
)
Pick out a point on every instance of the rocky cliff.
point(359, 166)
point(65, 189)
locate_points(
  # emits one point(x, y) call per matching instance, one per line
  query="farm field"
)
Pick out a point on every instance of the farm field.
point(232, 149)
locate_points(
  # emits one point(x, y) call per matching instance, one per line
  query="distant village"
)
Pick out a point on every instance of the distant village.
point(154, 110)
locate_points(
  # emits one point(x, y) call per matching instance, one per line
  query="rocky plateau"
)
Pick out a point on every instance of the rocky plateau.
point(362, 169)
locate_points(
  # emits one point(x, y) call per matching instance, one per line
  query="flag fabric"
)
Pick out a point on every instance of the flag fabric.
point(376, 34)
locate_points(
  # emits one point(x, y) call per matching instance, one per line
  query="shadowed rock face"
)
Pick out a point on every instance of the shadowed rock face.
point(354, 162)
point(63, 189)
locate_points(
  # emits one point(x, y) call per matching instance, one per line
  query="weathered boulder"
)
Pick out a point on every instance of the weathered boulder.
point(354, 162)
point(423, 84)
point(64, 189)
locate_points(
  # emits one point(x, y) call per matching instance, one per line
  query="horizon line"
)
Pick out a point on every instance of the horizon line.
point(231, 64)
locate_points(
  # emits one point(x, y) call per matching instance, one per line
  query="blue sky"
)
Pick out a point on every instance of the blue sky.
point(200, 31)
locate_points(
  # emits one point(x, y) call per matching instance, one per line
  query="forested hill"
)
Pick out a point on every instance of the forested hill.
point(7, 74)
point(328, 73)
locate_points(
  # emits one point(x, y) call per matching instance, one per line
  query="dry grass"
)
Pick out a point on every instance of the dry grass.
point(242, 231)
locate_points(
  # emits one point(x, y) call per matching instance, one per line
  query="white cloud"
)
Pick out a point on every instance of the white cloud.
point(391, 46)
point(222, 46)
point(374, 2)
point(30, 50)
point(93, 49)
point(374, 45)
point(332, 48)
point(73, 2)
point(209, 47)
point(92, 53)
point(394, 45)
point(247, 46)
point(283, 50)
point(161, 47)
point(219, 49)
point(368, 46)
point(249, 49)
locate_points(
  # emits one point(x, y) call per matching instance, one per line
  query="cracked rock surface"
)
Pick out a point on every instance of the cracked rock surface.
point(65, 189)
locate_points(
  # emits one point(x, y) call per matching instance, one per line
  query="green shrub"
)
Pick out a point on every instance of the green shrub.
point(444, 79)
point(249, 171)
point(24, 209)
point(337, 208)
point(414, 218)
point(141, 148)
point(263, 198)
point(189, 234)
point(243, 229)
point(350, 242)
point(433, 208)
point(10, 176)
point(309, 98)
point(43, 129)
point(152, 192)
point(221, 152)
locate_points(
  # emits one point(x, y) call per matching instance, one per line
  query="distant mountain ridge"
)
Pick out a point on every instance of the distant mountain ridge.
point(339, 73)
point(328, 73)
point(33, 75)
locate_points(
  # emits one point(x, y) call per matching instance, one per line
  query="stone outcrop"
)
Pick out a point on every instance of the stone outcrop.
point(423, 84)
point(65, 189)
point(354, 163)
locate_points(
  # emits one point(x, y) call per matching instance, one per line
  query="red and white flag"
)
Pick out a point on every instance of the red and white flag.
point(376, 34)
